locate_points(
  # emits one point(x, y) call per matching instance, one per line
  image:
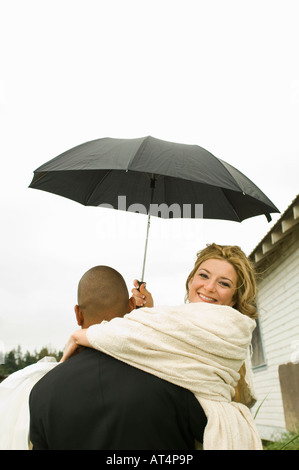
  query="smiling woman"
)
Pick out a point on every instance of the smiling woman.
point(222, 274)
point(214, 282)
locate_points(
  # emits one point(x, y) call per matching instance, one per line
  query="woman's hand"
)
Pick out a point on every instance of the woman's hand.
point(143, 297)
point(74, 344)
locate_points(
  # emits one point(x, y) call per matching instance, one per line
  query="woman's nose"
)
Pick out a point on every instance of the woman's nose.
point(210, 285)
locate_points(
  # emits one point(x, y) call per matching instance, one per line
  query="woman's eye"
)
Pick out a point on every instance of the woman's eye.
point(224, 284)
point(203, 275)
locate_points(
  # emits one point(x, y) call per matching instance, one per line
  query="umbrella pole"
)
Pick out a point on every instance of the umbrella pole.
point(145, 249)
point(153, 181)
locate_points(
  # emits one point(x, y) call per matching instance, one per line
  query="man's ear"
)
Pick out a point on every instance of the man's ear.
point(79, 315)
point(132, 304)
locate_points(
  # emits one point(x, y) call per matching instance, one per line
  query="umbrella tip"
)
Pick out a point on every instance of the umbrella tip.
point(268, 217)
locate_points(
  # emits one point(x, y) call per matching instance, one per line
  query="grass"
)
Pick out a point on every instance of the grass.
point(288, 441)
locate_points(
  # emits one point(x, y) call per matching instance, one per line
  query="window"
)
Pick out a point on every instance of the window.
point(258, 354)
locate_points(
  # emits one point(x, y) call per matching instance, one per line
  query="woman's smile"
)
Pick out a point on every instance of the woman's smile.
point(206, 298)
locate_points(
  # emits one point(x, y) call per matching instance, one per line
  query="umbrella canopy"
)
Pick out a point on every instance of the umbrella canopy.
point(164, 179)
point(97, 172)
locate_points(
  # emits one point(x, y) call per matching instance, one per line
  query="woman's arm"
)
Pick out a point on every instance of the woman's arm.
point(77, 339)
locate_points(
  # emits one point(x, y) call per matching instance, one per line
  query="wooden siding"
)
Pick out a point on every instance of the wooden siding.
point(278, 302)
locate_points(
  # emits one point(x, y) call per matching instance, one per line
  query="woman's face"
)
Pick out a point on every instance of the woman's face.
point(214, 282)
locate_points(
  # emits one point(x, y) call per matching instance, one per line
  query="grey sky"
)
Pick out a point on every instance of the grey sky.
point(223, 75)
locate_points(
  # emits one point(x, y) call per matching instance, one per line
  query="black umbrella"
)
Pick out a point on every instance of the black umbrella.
point(149, 175)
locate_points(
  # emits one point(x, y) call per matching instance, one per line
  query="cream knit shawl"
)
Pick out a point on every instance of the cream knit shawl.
point(198, 346)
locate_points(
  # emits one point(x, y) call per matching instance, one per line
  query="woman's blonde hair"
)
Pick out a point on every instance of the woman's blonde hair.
point(245, 295)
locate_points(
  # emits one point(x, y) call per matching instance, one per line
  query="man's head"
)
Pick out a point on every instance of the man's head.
point(102, 295)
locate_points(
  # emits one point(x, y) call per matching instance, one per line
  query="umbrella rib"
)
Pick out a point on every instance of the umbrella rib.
point(228, 172)
point(109, 171)
point(231, 204)
point(38, 177)
point(97, 185)
point(138, 151)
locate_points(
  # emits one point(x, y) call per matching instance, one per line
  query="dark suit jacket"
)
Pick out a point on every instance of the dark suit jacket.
point(93, 401)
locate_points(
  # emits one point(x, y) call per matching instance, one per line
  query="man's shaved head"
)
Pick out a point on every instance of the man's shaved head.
point(102, 294)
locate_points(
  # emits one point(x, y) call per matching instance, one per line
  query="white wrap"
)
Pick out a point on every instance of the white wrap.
point(198, 346)
point(14, 404)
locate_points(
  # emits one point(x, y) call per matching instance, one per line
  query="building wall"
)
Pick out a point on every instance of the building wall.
point(278, 303)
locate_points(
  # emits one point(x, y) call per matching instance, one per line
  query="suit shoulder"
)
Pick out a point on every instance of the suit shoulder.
point(86, 358)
